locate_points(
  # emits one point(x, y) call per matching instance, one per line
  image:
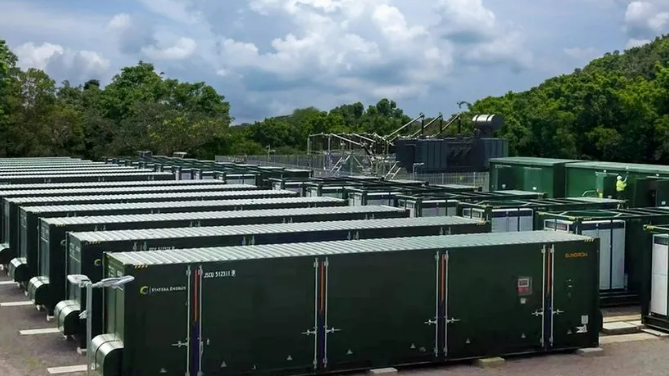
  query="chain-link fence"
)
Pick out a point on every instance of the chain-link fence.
point(322, 168)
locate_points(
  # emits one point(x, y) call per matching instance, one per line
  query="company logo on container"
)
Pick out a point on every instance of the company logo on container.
point(147, 290)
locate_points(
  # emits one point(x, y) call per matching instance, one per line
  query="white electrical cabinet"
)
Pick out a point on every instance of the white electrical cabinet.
point(658, 284)
point(505, 220)
point(611, 234)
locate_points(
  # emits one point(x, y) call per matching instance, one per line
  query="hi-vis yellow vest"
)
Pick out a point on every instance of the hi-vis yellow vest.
point(620, 185)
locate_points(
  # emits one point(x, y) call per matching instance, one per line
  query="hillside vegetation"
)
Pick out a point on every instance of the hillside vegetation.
point(615, 108)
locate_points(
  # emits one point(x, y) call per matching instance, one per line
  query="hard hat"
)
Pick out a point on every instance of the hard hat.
point(620, 177)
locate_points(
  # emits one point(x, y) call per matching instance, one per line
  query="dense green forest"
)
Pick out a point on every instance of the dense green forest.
point(615, 108)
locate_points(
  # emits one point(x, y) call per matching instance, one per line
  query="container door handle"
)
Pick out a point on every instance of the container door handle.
point(431, 322)
point(332, 330)
point(557, 312)
point(309, 332)
point(538, 313)
point(180, 344)
point(452, 320)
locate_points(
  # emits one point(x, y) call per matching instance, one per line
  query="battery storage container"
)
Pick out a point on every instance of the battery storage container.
point(85, 249)
point(48, 288)
point(311, 308)
point(24, 266)
point(622, 244)
point(21, 189)
point(520, 215)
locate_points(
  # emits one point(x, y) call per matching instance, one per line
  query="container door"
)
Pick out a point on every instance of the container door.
point(164, 332)
point(504, 220)
point(658, 285)
point(575, 298)
point(662, 193)
point(532, 179)
point(526, 222)
point(505, 178)
point(380, 310)
point(611, 252)
point(257, 316)
point(494, 305)
point(606, 185)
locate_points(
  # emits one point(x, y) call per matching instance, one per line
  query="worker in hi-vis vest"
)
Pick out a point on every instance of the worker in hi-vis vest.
point(620, 187)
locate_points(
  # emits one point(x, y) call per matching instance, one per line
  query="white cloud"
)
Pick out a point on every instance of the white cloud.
point(580, 53)
point(268, 56)
point(183, 48)
point(636, 43)
point(176, 10)
point(645, 20)
point(61, 62)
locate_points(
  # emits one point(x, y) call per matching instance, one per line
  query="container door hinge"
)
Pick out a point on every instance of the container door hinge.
point(452, 320)
point(431, 322)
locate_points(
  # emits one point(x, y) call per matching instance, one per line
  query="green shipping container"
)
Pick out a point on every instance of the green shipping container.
point(103, 190)
point(529, 174)
point(13, 188)
point(86, 249)
point(314, 307)
point(24, 265)
point(623, 242)
point(520, 215)
point(48, 288)
point(647, 185)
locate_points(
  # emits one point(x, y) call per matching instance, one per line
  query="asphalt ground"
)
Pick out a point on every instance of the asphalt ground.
point(30, 355)
point(638, 354)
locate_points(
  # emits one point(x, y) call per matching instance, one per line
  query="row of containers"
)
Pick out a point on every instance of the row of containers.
point(540, 205)
point(646, 185)
point(233, 278)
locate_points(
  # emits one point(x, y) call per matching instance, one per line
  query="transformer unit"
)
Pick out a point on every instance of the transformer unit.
point(454, 154)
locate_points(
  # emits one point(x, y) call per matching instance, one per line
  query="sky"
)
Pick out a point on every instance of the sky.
point(269, 57)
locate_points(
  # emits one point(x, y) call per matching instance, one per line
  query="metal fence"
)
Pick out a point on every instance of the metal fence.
point(318, 163)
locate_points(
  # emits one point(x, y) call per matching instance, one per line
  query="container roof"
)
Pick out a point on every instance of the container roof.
point(91, 184)
point(149, 196)
point(272, 228)
point(124, 189)
point(46, 176)
point(178, 204)
point(516, 192)
point(475, 241)
point(616, 166)
point(534, 161)
point(370, 209)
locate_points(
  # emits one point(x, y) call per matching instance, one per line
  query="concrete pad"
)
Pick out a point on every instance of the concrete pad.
point(66, 369)
point(619, 327)
point(382, 371)
point(622, 318)
point(490, 362)
point(2, 283)
point(31, 332)
point(635, 322)
point(590, 352)
point(605, 340)
point(654, 332)
point(16, 304)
